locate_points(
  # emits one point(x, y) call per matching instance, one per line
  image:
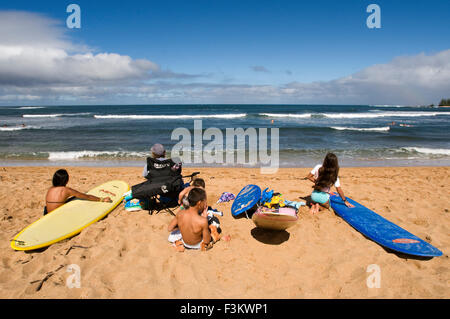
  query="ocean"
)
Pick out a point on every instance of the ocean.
point(121, 135)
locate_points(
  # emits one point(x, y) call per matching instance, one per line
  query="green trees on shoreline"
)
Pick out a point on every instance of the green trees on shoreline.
point(444, 102)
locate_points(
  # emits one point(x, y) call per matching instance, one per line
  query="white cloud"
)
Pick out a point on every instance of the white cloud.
point(418, 79)
point(40, 64)
point(24, 28)
point(25, 65)
point(35, 51)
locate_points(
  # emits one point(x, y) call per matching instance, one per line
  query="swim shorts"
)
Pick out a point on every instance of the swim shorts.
point(320, 197)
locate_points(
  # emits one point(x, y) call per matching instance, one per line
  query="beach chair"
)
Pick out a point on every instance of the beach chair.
point(168, 202)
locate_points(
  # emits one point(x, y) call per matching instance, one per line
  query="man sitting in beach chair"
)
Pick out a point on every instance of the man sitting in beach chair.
point(163, 185)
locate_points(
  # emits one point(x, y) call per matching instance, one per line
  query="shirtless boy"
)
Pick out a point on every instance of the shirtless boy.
point(192, 223)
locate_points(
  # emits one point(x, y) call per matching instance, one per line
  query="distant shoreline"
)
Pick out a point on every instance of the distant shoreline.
point(140, 164)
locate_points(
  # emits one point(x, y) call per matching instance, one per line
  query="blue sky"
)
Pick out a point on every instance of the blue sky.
point(253, 43)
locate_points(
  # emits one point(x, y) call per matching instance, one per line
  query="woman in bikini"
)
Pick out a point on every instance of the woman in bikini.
point(59, 194)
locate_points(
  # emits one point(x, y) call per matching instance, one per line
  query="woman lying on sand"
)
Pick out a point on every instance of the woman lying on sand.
point(59, 194)
point(324, 176)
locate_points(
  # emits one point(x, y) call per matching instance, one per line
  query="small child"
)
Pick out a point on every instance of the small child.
point(182, 198)
point(324, 176)
point(213, 221)
point(189, 228)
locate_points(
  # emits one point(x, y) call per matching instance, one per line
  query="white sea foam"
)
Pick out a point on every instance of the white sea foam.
point(54, 115)
point(30, 107)
point(291, 115)
point(71, 155)
point(369, 129)
point(382, 114)
point(395, 105)
point(170, 117)
point(431, 151)
point(42, 115)
point(354, 115)
point(387, 105)
point(17, 128)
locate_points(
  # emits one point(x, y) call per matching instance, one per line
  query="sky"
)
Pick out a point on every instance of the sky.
point(217, 51)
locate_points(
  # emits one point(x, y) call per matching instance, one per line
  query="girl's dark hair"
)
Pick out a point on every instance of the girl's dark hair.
point(196, 195)
point(199, 182)
point(60, 178)
point(328, 173)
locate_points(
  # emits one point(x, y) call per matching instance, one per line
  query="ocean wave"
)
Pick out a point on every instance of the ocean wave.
point(55, 115)
point(354, 115)
point(429, 151)
point(42, 115)
point(383, 114)
point(18, 128)
point(291, 115)
point(369, 129)
point(171, 117)
point(372, 153)
point(395, 105)
point(388, 105)
point(30, 107)
point(294, 154)
point(73, 155)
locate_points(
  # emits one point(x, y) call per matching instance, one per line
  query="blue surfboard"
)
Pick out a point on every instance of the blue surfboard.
point(246, 199)
point(381, 230)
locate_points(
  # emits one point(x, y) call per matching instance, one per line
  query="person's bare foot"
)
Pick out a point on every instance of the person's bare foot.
point(206, 247)
point(179, 246)
point(317, 209)
point(214, 233)
point(314, 208)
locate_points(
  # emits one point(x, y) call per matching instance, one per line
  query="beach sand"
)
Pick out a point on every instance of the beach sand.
point(127, 255)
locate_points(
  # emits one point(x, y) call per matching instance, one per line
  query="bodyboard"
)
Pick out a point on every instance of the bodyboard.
point(275, 219)
point(248, 197)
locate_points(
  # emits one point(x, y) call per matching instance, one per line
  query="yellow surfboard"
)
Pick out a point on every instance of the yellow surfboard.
point(71, 218)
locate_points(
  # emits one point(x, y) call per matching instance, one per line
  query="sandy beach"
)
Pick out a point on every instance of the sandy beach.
point(127, 255)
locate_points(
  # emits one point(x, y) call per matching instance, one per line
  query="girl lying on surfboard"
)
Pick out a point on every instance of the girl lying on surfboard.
point(324, 176)
point(59, 194)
